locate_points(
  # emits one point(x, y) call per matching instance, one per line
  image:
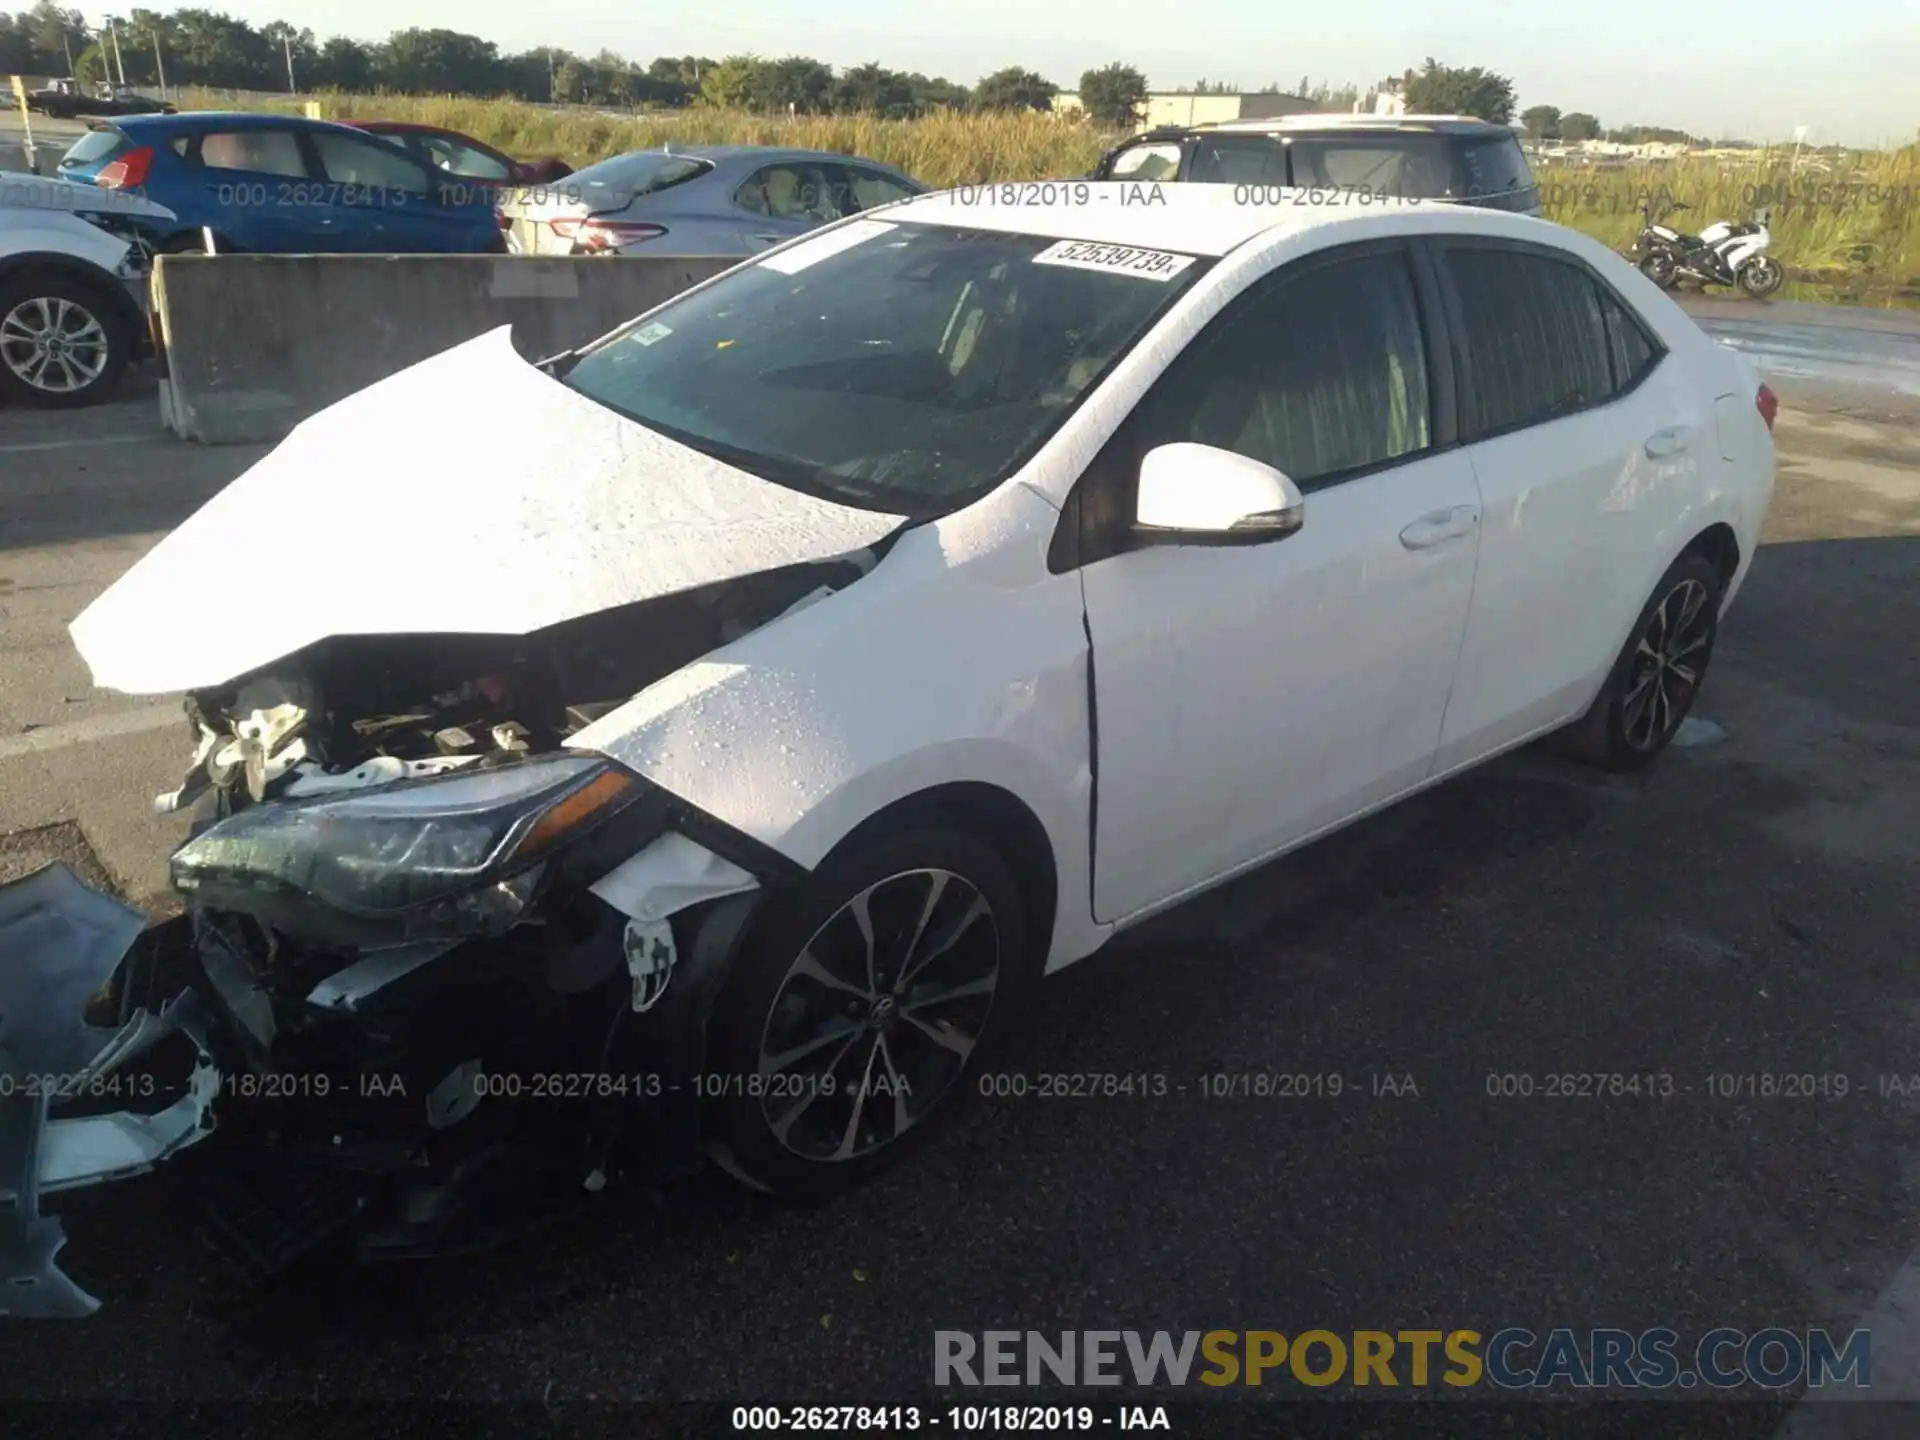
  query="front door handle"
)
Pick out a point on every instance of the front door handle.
point(1663, 443)
point(1439, 526)
point(770, 239)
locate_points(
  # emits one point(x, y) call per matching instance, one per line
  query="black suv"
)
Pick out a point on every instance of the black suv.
point(1411, 157)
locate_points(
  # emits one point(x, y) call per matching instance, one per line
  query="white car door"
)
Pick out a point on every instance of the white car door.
point(1249, 695)
point(1581, 441)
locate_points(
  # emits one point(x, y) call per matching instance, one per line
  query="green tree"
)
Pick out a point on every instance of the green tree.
point(440, 62)
point(1014, 89)
point(804, 84)
point(729, 84)
point(1113, 94)
point(874, 90)
point(1579, 126)
point(1453, 90)
point(1542, 121)
point(343, 64)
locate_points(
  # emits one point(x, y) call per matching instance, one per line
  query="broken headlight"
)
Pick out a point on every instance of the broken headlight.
point(451, 855)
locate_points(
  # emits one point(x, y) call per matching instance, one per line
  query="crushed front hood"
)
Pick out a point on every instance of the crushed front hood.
point(468, 494)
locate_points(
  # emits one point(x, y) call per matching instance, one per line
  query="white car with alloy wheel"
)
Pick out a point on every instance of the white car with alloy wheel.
point(835, 650)
point(74, 263)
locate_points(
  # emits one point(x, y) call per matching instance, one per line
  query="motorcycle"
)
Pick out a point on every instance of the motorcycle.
point(1727, 252)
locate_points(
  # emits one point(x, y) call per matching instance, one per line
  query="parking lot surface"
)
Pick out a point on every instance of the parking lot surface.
point(1746, 909)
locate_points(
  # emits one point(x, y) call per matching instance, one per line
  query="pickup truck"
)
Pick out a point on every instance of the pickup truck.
point(64, 100)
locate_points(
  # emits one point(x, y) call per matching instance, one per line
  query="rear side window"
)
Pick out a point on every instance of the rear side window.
point(871, 187)
point(1533, 341)
point(1494, 167)
point(267, 152)
point(1317, 374)
point(1146, 162)
point(1634, 352)
point(1249, 161)
point(96, 145)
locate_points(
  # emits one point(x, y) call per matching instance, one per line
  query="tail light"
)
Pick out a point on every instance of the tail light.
point(129, 172)
point(502, 219)
point(595, 234)
point(1768, 404)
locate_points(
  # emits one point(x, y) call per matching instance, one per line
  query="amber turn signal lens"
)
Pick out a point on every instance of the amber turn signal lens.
point(606, 791)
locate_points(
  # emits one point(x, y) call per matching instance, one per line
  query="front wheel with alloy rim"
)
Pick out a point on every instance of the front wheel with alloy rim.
point(1761, 276)
point(858, 1012)
point(61, 341)
point(1658, 675)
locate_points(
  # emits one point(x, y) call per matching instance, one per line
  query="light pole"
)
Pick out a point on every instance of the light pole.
point(286, 43)
point(113, 34)
point(159, 65)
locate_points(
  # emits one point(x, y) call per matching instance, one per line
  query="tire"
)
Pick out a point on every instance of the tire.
point(1643, 703)
point(94, 340)
point(1762, 277)
point(1658, 267)
point(775, 1005)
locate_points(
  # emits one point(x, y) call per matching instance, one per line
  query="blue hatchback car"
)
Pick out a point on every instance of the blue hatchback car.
point(278, 184)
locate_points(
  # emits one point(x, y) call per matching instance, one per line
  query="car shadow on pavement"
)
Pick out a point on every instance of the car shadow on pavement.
point(1719, 912)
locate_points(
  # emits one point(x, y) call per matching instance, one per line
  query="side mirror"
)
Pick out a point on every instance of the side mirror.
point(1200, 495)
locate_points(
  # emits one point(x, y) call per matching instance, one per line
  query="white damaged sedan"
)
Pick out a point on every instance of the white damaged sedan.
point(710, 763)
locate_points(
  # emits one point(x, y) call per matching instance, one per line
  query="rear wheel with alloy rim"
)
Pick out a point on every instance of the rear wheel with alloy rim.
point(61, 341)
point(1653, 684)
point(860, 1009)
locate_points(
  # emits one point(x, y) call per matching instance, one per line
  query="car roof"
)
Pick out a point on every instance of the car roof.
point(224, 119)
point(1192, 218)
point(1407, 124)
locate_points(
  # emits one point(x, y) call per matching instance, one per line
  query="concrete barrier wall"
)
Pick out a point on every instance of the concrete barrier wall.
point(254, 344)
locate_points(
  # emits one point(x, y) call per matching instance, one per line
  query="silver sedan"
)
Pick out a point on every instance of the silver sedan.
point(697, 200)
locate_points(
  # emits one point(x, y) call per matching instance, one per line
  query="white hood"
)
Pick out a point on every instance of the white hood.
point(470, 493)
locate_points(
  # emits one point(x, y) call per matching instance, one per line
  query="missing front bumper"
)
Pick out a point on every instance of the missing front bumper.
point(60, 943)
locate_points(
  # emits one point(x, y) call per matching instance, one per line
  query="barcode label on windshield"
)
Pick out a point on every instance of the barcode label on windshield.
point(1120, 259)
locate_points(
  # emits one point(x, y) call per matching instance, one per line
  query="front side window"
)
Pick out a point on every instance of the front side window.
point(265, 152)
point(871, 188)
point(1534, 343)
point(792, 192)
point(349, 160)
point(462, 160)
point(910, 371)
point(1318, 373)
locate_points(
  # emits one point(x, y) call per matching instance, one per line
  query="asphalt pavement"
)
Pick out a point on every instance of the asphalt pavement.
point(1747, 909)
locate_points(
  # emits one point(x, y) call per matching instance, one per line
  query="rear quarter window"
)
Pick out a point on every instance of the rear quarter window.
point(1494, 167)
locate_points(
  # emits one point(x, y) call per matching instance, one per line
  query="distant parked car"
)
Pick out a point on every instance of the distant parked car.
point(278, 184)
point(1385, 157)
point(456, 154)
point(64, 100)
point(702, 200)
point(73, 288)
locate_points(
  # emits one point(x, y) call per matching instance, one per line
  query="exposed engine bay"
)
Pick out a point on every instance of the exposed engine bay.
point(356, 711)
point(402, 982)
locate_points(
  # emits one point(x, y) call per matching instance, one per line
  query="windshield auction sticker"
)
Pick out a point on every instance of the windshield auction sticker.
point(1120, 259)
point(811, 252)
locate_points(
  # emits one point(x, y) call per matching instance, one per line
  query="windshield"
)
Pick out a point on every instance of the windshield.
point(897, 367)
point(94, 145)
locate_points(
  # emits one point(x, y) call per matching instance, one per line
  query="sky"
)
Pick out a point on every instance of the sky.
point(1848, 70)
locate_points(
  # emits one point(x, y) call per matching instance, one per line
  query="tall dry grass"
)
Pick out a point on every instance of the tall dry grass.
point(1855, 228)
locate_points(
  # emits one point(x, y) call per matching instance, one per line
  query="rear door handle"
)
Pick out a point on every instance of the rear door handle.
point(771, 239)
point(1663, 443)
point(1439, 526)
